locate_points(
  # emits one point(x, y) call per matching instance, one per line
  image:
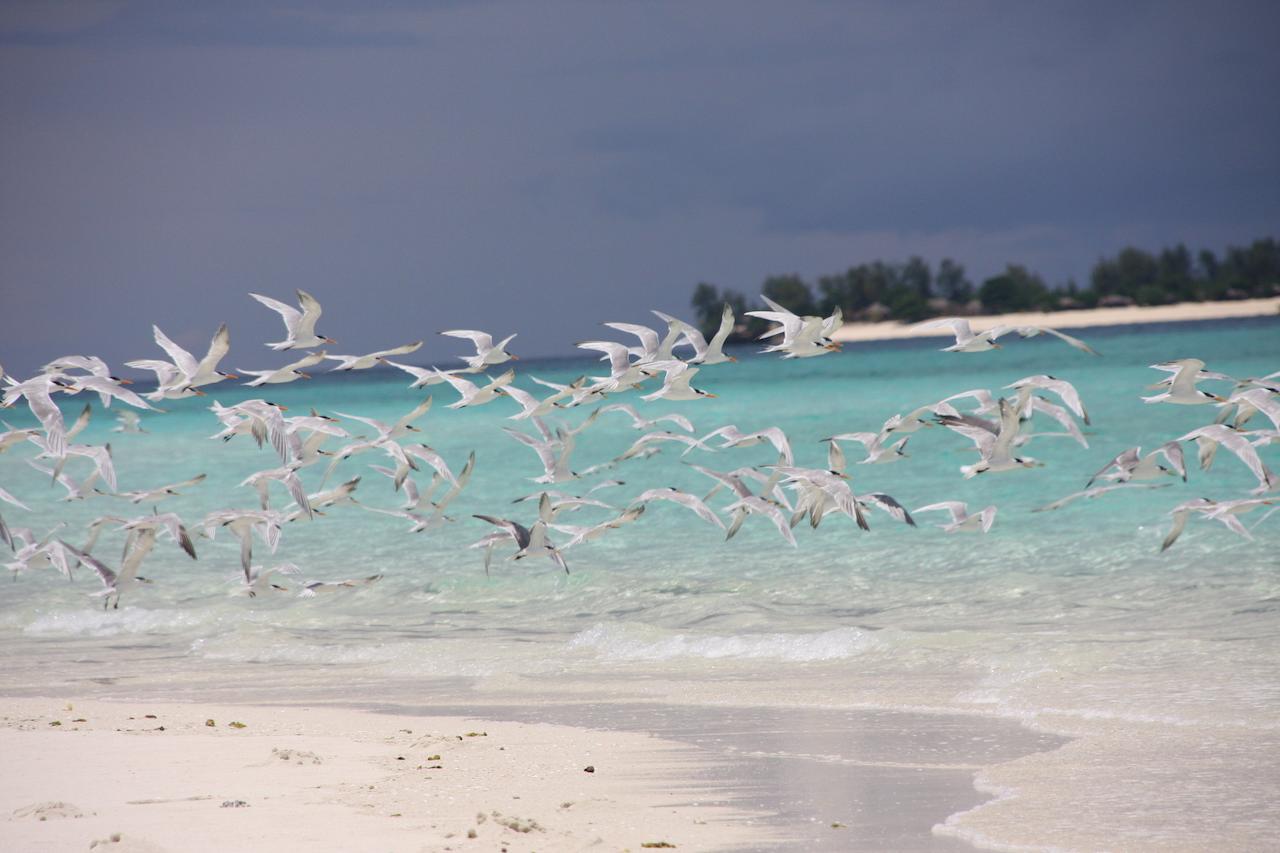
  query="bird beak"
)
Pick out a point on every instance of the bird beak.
point(198, 392)
point(328, 340)
point(124, 381)
point(732, 358)
point(304, 375)
point(515, 358)
point(232, 376)
point(709, 394)
point(997, 346)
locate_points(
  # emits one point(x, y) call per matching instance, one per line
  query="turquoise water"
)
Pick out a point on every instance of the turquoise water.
point(1071, 612)
point(1070, 621)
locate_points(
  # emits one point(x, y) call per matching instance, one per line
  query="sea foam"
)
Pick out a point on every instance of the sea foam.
point(635, 643)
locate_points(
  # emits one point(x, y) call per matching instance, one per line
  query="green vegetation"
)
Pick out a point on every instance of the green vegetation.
point(914, 291)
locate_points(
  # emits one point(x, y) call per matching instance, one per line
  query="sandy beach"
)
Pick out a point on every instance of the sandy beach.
point(144, 777)
point(1076, 319)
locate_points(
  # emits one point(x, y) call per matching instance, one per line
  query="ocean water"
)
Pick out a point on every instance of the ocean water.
point(1072, 619)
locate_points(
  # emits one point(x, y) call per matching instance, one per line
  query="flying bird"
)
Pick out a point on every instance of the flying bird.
point(300, 325)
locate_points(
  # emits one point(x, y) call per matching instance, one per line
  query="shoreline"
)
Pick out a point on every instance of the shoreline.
point(425, 777)
point(1082, 318)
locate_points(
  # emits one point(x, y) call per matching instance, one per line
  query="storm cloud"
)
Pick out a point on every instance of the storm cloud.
point(542, 167)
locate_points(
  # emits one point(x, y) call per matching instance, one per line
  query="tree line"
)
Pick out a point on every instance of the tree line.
point(915, 290)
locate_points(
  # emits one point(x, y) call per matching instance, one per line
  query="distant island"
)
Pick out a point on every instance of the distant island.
point(913, 291)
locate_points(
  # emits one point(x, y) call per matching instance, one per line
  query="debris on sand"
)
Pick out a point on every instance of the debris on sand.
point(517, 824)
point(296, 756)
point(50, 810)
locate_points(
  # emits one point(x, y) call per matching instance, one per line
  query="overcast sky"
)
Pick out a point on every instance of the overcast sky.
point(541, 167)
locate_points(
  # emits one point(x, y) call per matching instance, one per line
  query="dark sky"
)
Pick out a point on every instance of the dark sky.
point(541, 167)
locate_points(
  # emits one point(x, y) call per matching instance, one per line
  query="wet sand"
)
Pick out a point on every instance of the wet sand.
point(157, 777)
point(829, 779)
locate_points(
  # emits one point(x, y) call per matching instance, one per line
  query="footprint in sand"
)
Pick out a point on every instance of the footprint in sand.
point(296, 756)
point(52, 810)
point(118, 842)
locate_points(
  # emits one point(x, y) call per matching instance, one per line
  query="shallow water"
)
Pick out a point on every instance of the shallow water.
point(1072, 614)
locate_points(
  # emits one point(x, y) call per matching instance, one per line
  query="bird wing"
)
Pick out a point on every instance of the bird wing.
point(483, 340)
point(417, 412)
point(105, 574)
point(1237, 444)
point(726, 326)
point(959, 327)
point(618, 355)
point(890, 505)
point(82, 421)
point(288, 313)
point(311, 310)
point(1064, 389)
point(779, 440)
point(1032, 331)
point(648, 337)
point(692, 502)
point(1061, 415)
point(219, 346)
point(435, 460)
point(958, 509)
point(184, 360)
point(404, 349)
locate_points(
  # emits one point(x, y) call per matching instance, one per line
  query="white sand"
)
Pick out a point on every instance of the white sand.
point(1079, 319)
point(326, 779)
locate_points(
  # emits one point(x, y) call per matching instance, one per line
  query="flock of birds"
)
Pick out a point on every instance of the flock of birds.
point(999, 426)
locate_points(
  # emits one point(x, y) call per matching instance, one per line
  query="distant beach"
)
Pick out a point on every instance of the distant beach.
point(1076, 319)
